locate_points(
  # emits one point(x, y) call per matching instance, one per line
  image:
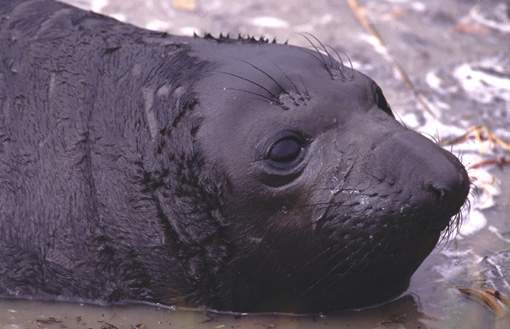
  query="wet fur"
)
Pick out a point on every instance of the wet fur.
point(69, 142)
point(105, 193)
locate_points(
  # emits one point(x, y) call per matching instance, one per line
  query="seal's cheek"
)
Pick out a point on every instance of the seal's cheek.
point(385, 204)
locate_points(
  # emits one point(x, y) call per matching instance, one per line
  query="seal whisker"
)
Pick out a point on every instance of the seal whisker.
point(350, 66)
point(283, 90)
point(340, 61)
point(323, 48)
point(322, 59)
point(296, 89)
point(336, 65)
point(310, 205)
point(347, 271)
point(251, 93)
point(307, 93)
point(336, 62)
point(331, 271)
point(312, 53)
point(317, 257)
point(337, 57)
point(253, 82)
point(382, 245)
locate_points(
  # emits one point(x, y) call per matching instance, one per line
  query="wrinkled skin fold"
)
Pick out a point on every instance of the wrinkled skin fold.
point(232, 173)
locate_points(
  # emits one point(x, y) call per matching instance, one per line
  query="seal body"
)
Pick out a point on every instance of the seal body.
point(232, 173)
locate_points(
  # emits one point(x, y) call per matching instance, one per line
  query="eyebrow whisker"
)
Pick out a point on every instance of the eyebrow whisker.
point(342, 62)
point(322, 59)
point(339, 60)
point(267, 75)
point(304, 86)
point(270, 100)
point(296, 89)
point(324, 48)
point(275, 98)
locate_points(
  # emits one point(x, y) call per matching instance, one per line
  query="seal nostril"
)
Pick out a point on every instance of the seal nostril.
point(450, 193)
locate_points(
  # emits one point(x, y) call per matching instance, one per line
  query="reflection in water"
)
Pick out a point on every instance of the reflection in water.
point(22, 314)
point(402, 313)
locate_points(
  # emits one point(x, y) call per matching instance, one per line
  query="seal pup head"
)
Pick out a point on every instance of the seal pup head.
point(330, 202)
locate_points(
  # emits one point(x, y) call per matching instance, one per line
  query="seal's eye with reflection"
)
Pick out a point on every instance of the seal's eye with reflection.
point(286, 152)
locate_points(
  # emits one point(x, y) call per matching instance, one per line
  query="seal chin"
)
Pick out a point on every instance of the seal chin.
point(369, 265)
point(382, 272)
point(376, 279)
point(334, 269)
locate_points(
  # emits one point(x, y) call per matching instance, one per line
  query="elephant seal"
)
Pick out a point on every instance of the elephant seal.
point(237, 174)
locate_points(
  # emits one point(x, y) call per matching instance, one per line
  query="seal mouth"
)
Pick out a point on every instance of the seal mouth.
point(333, 269)
point(368, 263)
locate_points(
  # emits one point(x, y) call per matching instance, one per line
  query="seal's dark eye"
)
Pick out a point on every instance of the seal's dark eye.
point(285, 150)
point(284, 158)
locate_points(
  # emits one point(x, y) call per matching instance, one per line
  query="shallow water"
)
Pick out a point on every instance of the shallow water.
point(403, 313)
point(457, 55)
point(23, 314)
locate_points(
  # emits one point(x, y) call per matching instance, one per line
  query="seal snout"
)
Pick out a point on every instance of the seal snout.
point(450, 190)
point(441, 181)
